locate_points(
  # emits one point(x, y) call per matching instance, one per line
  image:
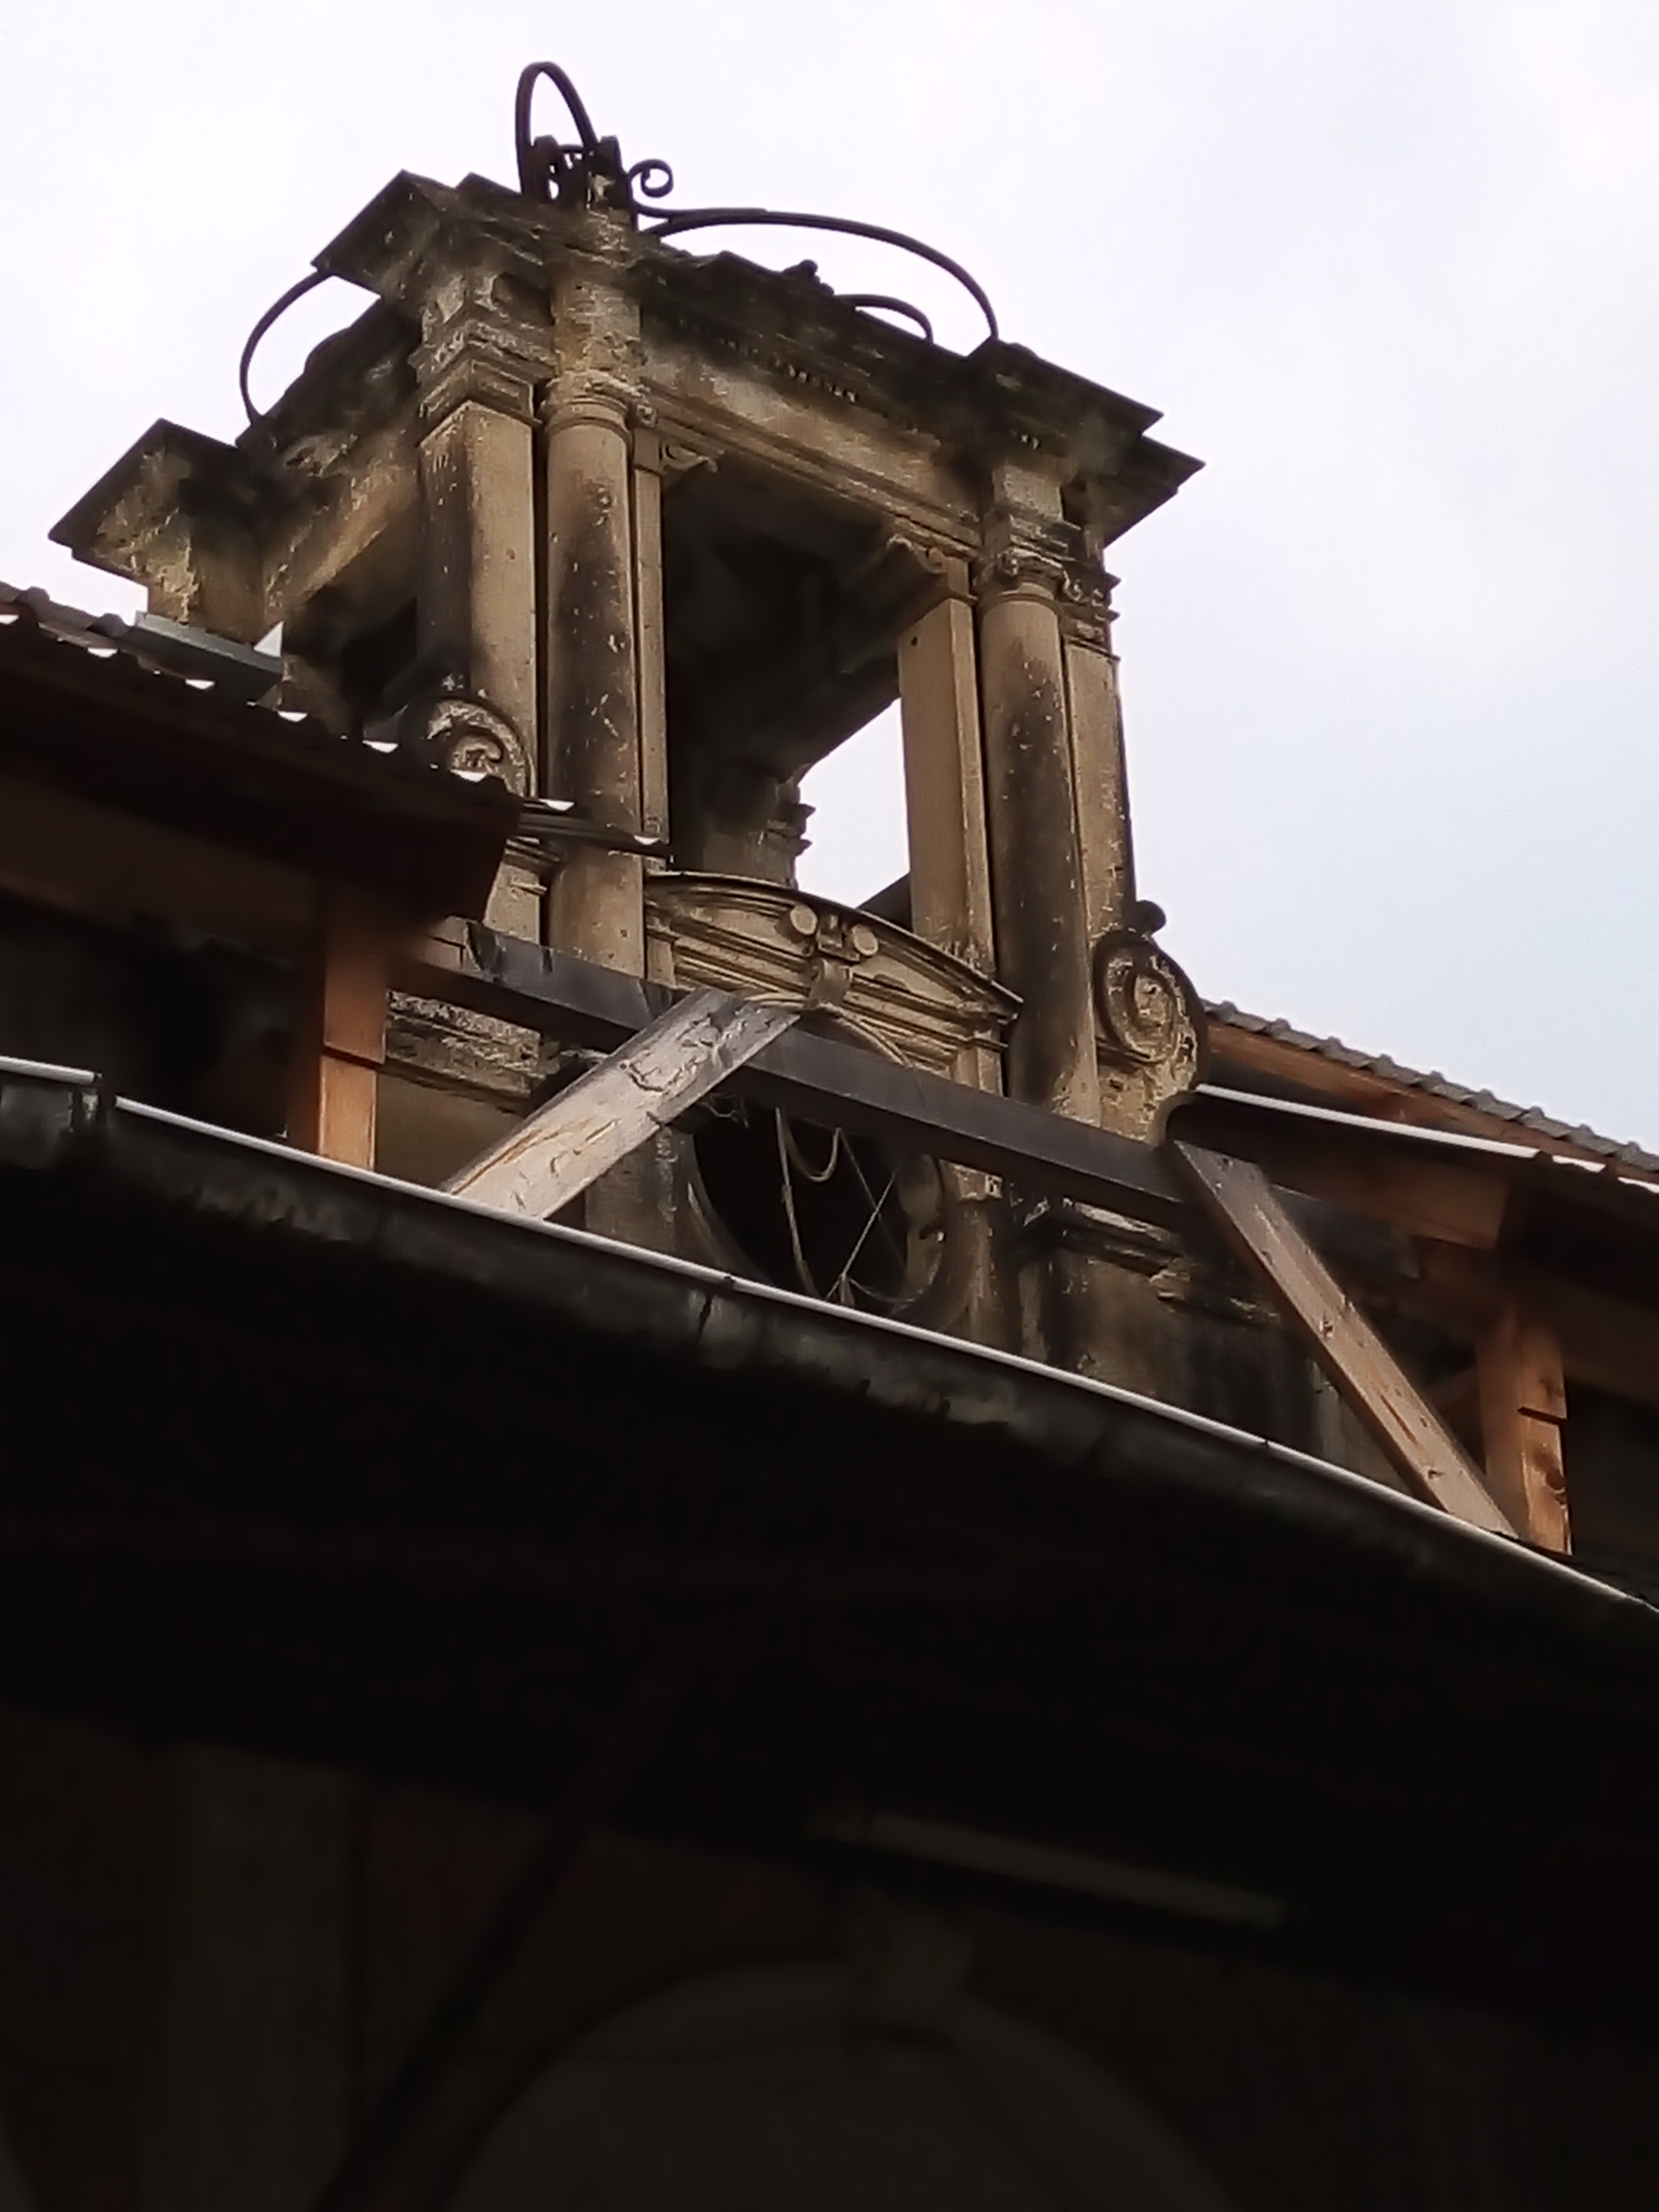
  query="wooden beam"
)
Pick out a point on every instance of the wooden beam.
point(1522, 1407)
point(1241, 1201)
point(63, 852)
point(816, 1077)
point(556, 1152)
point(1388, 1174)
point(340, 1042)
point(1609, 1344)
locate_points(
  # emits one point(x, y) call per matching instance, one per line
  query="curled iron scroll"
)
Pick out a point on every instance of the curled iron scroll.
point(590, 165)
point(544, 161)
point(887, 305)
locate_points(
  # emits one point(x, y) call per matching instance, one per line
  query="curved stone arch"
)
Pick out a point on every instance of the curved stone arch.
point(776, 2089)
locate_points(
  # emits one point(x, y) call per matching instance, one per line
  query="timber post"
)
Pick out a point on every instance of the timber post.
point(340, 1036)
point(1523, 1399)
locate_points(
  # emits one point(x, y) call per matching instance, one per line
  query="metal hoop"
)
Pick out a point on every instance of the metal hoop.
point(272, 313)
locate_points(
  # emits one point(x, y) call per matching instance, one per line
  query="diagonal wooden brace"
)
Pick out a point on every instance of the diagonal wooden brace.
point(1356, 1358)
point(555, 1153)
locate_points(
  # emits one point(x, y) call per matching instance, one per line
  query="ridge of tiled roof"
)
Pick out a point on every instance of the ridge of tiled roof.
point(1434, 1084)
point(172, 655)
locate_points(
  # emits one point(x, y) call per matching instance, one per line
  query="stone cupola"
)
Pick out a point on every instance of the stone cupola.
point(647, 531)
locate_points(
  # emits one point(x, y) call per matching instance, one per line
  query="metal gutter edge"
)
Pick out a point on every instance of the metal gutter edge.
point(50, 1120)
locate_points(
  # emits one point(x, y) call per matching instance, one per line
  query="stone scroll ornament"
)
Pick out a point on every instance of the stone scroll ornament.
point(468, 736)
point(434, 717)
point(1151, 1035)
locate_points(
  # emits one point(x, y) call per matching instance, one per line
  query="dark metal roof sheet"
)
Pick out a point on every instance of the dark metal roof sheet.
point(55, 1117)
point(126, 714)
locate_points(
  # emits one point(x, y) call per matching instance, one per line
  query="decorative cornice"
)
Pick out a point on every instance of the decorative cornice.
point(909, 999)
point(478, 346)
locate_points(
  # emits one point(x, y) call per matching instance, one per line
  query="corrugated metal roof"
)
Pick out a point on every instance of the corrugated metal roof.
point(166, 648)
point(177, 657)
point(1433, 1084)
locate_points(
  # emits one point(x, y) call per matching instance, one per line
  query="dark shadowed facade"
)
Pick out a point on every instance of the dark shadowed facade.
point(670, 1547)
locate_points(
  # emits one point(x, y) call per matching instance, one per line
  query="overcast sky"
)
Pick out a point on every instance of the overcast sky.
point(1388, 267)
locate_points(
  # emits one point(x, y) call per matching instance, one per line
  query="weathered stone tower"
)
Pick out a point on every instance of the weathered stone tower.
point(647, 534)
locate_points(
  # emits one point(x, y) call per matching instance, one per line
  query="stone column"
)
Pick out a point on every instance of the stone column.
point(1042, 938)
point(592, 692)
point(478, 370)
point(950, 883)
point(1097, 759)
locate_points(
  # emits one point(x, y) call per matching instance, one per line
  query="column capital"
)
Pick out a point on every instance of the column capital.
point(1024, 555)
point(570, 401)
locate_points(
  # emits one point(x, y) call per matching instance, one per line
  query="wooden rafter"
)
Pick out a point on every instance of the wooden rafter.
point(1243, 1203)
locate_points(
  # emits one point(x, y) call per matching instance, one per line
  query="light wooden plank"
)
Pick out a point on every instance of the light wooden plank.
point(1607, 1344)
point(556, 1152)
point(1387, 1175)
point(1361, 1365)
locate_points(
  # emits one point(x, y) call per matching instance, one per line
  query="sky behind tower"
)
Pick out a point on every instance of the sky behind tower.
point(1388, 267)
